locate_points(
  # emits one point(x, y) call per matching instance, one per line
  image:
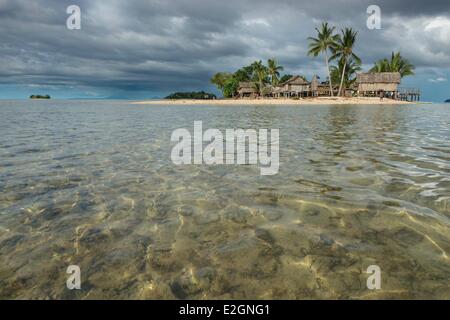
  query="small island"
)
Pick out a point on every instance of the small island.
point(38, 96)
point(447, 101)
point(345, 82)
point(201, 95)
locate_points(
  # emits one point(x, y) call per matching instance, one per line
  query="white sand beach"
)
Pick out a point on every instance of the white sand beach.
point(309, 101)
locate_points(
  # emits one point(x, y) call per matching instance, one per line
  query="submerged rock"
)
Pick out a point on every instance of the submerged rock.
point(192, 282)
point(12, 241)
point(92, 238)
point(186, 211)
point(407, 237)
point(237, 214)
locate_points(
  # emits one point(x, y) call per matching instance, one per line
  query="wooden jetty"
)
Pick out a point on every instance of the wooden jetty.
point(408, 94)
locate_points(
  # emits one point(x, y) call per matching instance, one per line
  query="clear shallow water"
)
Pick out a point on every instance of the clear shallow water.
point(92, 184)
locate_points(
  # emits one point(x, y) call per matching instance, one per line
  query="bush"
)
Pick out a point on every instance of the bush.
point(38, 96)
point(200, 95)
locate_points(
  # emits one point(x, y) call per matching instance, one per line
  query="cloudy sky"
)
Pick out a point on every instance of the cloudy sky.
point(148, 48)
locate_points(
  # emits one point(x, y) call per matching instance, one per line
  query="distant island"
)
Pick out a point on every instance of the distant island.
point(201, 95)
point(447, 101)
point(38, 96)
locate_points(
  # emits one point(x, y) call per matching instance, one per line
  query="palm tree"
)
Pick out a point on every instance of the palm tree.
point(273, 69)
point(396, 64)
point(344, 51)
point(381, 65)
point(351, 68)
point(285, 78)
point(259, 75)
point(325, 41)
point(220, 79)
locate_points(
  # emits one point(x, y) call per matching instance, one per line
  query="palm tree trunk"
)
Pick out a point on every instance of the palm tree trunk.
point(329, 74)
point(342, 78)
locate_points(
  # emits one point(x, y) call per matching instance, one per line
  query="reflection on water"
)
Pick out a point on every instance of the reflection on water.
point(91, 184)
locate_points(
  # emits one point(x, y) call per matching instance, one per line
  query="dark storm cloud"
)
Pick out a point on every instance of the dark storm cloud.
point(161, 45)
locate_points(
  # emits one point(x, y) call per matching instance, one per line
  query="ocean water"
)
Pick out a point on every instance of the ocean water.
point(91, 183)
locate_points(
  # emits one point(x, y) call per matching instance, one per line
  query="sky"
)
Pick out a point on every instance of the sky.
point(150, 48)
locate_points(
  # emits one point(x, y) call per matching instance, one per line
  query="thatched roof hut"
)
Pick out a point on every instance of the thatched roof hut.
point(378, 81)
point(295, 80)
point(295, 86)
point(379, 77)
point(246, 89)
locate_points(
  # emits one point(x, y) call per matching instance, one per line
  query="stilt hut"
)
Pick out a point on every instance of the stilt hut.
point(372, 84)
point(323, 89)
point(294, 87)
point(247, 90)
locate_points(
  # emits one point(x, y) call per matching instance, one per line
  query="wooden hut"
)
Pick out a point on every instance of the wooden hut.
point(247, 90)
point(371, 84)
point(323, 90)
point(319, 89)
point(294, 87)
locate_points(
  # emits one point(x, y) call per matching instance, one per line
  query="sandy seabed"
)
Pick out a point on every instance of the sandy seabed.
point(308, 101)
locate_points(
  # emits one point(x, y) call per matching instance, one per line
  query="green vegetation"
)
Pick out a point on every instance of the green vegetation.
point(38, 96)
point(262, 76)
point(220, 79)
point(273, 69)
point(349, 71)
point(348, 63)
point(343, 51)
point(324, 42)
point(201, 95)
point(396, 64)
